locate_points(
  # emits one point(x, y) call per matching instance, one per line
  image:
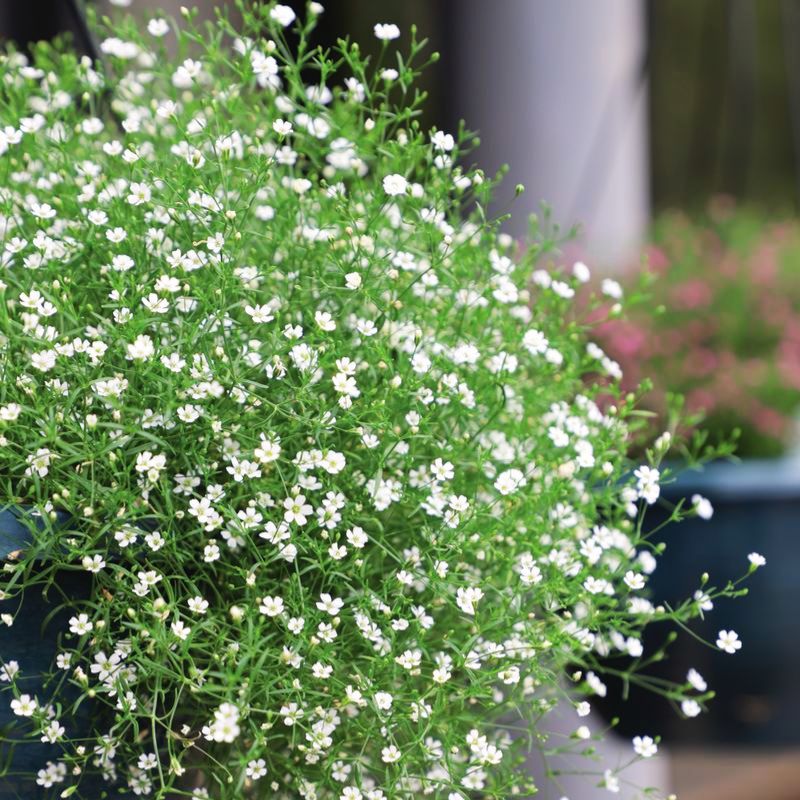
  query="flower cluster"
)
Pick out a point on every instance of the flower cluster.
point(724, 328)
point(332, 471)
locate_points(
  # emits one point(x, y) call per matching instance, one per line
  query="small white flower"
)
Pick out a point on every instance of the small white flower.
point(728, 641)
point(180, 630)
point(467, 598)
point(581, 272)
point(690, 708)
point(80, 625)
point(756, 559)
point(256, 769)
point(93, 563)
point(24, 706)
point(702, 506)
point(158, 27)
point(395, 185)
point(390, 754)
point(611, 288)
point(283, 15)
point(510, 481)
point(634, 580)
point(330, 605)
point(352, 280)
point(386, 31)
point(696, 680)
point(644, 746)
point(271, 606)
point(610, 782)
point(198, 605)
point(443, 141)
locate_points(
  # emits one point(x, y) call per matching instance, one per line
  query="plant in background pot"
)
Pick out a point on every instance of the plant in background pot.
point(723, 329)
point(315, 434)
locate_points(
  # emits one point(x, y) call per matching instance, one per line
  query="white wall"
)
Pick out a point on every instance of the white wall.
point(553, 86)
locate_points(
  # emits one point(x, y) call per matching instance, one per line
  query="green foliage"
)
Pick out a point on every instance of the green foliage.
point(333, 460)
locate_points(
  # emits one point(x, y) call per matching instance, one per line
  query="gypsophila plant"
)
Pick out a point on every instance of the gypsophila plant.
point(319, 438)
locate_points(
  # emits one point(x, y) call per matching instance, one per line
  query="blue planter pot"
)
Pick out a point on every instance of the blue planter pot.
point(756, 508)
point(33, 642)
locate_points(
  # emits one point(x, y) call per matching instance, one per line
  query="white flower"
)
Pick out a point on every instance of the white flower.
point(257, 768)
point(44, 360)
point(610, 782)
point(386, 31)
point(394, 185)
point(696, 680)
point(225, 726)
point(443, 141)
point(390, 754)
point(728, 641)
point(442, 470)
point(141, 349)
point(80, 625)
point(702, 506)
point(139, 194)
point(330, 605)
point(510, 481)
point(24, 706)
point(644, 746)
point(356, 537)
point(180, 630)
point(581, 272)
point(93, 563)
point(756, 559)
point(281, 127)
point(155, 304)
point(647, 483)
point(39, 462)
point(691, 708)
point(198, 605)
point(52, 732)
point(158, 27)
point(611, 288)
point(467, 598)
point(583, 709)
point(535, 342)
point(271, 606)
point(283, 15)
point(296, 510)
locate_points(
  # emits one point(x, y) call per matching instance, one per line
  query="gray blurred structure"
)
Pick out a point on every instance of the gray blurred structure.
point(556, 89)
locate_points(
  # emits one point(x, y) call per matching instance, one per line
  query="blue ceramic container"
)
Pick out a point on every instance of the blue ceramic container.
point(32, 642)
point(756, 509)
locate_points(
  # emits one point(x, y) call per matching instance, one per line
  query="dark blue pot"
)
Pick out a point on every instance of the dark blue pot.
point(32, 641)
point(756, 508)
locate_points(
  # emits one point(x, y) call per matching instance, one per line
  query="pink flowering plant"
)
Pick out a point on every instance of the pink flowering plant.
point(722, 328)
point(319, 438)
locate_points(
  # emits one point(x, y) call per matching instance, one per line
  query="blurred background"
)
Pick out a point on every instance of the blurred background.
point(671, 132)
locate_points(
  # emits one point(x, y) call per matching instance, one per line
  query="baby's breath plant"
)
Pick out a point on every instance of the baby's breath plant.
point(320, 439)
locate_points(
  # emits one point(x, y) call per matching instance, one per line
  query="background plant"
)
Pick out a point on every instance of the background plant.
point(325, 440)
point(722, 328)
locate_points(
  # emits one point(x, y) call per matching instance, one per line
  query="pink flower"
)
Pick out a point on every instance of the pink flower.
point(692, 294)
